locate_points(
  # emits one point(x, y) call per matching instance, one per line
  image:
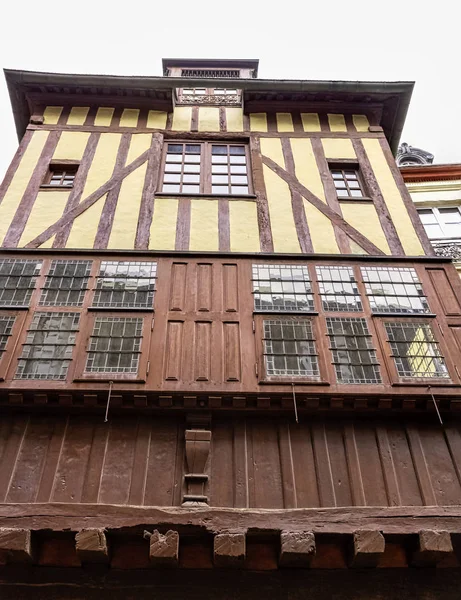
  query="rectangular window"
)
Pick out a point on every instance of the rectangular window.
point(125, 284)
point(49, 344)
point(354, 357)
point(441, 223)
point(115, 345)
point(61, 176)
point(194, 91)
point(415, 350)
point(17, 281)
point(289, 348)
point(6, 326)
point(347, 182)
point(281, 288)
point(394, 290)
point(338, 289)
point(66, 283)
point(206, 168)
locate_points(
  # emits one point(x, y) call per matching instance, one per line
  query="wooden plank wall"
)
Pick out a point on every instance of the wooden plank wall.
point(254, 462)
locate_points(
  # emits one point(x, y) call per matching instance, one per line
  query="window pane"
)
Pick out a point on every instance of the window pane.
point(115, 345)
point(191, 168)
point(219, 189)
point(173, 168)
point(66, 283)
point(171, 188)
point(220, 169)
point(282, 288)
point(427, 216)
point(192, 158)
point(356, 194)
point(6, 327)
point(238, 169)
point(175, 148)
point(239, 189)
point(342, 193)
point(17, 281)
point(338, 289)
point(415, 350)
point(192, 149)
point(394, 289)
point(234, 160)
point(172, 178)
point(239, 150)
point(289, 348)
point(218, 149)
point(125, 284)
point(191, 189)
point(191, 179)
point(219, 159)
point(239, 179)
point(220, 179)
point(174, 158)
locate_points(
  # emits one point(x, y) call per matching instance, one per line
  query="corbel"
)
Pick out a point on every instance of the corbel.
point(198, 444)
point(433, 547)
point(297, 548)
point(91, 546)
point(163, 549)
point(229, 549)
point(367, 548)
point(17, 545)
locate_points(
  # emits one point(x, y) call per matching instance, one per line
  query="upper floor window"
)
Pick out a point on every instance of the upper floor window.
point(125, 284)
point(282, 288)
point(394, 290)
point(338, 289)
point(66, 283)
point(206, 168)
point(61, 176)
point(348, 182)
point(441, 222)
point(115, 345)
point(6, 327)
point(17, 281)
point(194, 91)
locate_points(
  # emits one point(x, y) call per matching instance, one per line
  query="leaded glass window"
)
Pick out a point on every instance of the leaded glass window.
point(115, 345)
point(17, 281)
point(354, 357)
point(394, 290)
point(47, 351)
point(6, 326)
point(289, 348)
point(338, 289)
point(125, 284)
point(280, 288)
point(415, 350)
point(66, 283)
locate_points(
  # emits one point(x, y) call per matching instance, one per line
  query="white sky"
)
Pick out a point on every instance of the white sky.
point(354, 40)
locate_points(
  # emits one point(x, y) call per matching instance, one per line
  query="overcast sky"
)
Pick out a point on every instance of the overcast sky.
point(354, 40)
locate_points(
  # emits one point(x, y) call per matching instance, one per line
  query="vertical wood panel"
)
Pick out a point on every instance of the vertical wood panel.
point(339, 467)
point(388, 467)
point(230, 288)
point(71, 470)
point(178, 286)
point(30, 461)
point(140, 462)
point(240, 457)
point(453, 439)
point(118, 463)
point(92, 482)
point(266, 466)
point(162, 473)
point(173, 352)
point(420, 466)
point(353, 463)
point(444, 291)
point(406, 477)
point(204, 287)
point(323, 466)
point(202, 348)
point(287, 467)
point(11, 450)
point(222, 470)
point(53, 457)
point(307, 492)
point(232, 370)
point(372, 478)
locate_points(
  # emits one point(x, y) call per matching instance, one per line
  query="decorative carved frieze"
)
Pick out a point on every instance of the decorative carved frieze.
point(450, 249)
point(216, 100)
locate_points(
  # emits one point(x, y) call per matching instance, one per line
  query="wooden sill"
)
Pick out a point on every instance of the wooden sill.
point(208, 196)
point(291, 382)
point(48, 188)
point(363, 200)
point(120, 309)
point(425, 383)
point(107, 379)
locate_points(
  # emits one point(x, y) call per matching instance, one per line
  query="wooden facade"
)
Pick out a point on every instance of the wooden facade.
point(225, 342)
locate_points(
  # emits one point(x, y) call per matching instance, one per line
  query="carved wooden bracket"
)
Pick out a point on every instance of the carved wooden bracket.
point(198, 443)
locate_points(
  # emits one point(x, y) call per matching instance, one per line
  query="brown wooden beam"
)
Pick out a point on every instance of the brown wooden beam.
point(229, 549)
point(91, 546)
point(163, 549)
point(368, 548)
point(297, 548)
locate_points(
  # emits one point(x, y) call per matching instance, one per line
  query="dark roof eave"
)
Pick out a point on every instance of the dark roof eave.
point(16, 80)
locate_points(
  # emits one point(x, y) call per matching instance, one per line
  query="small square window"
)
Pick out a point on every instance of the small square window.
point(347, 182)
point(61, 176)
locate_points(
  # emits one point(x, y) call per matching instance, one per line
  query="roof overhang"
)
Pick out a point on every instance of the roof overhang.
point(392, 98)
point(418, 173)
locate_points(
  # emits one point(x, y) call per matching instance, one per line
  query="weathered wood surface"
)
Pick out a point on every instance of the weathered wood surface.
point(65, 516)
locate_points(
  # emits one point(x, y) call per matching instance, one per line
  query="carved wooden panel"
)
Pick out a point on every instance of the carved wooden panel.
point(178, 286)
point(173, 353)
point(232, 367)
point(202, 350)
point(230, 288)
point(204, 287)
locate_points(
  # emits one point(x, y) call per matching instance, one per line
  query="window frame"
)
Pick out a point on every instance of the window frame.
point(81, 375)
point(13, 345)
point(350, 165)
point(206, 168)
point(67, 166)
point(436, 212)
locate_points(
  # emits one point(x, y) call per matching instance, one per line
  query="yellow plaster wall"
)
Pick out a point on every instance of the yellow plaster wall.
point(234, 118)
point(85, 226)
point(392, 197)
point(338, 148)
point(104, 117)
point(284, 122)
point(20, 180)
point(182, 118)
point(321, 230)
point(311, 121)
point(360, 122)
point(163, 227)
point(258, 122)
point(71, 145)
point(244, 232)
point(47, 209)
point(306, 166)
point(337, 123)
point(129, 117)
point(140, 142)
point(279, 199)
point(365, 218)
point(157, 119)
point(204, 225)
point(208, 118)
point(123, 232)
point(51, 115)
point(78, 115)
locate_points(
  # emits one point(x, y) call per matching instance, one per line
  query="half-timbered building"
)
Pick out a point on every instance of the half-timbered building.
point(230, 360)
